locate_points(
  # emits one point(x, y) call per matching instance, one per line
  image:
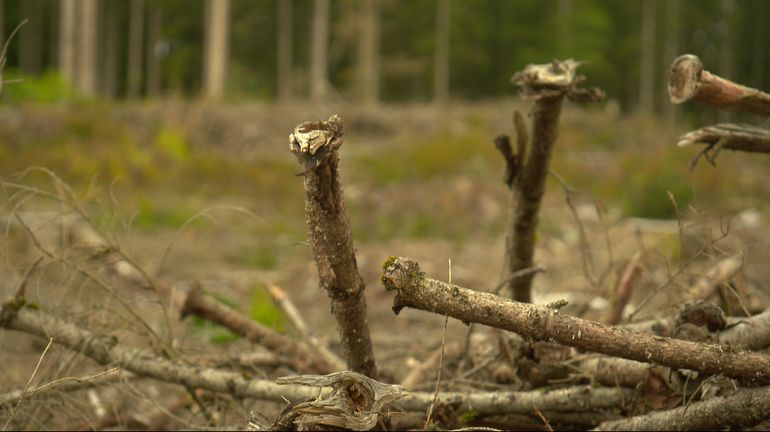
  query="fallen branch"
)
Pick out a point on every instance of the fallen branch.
point(415, 290)
point(526, 173)
point(295, 317)
point(106, 350)
point(688, 80)
point(744, 408)
point(623, 290)
point(315, 145)
point(728, 136)
point(188, 299)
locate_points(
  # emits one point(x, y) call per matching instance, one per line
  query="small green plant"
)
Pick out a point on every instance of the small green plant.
point(264, 311)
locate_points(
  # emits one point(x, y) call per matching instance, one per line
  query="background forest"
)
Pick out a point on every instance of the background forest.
point(144, 153)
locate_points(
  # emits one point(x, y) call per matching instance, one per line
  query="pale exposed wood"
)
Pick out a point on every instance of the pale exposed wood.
point(416, 290)
point(687, 79)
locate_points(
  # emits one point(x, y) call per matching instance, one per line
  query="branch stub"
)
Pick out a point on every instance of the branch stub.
point(684, 78)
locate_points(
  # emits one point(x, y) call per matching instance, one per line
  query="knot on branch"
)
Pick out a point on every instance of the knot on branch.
point(400, 274)
point(556, 79)
point(356, 402)
point(312, 141)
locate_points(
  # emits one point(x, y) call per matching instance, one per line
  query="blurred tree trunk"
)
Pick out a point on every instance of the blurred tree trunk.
point(31, 37)
point(217, 17)
point(441, 66)
point(152, 81)
point(671, 51)
point(319, 79)
point(757, 45)
point(368, 53)
point(284, 76)
point(564, 12)
point(67, 19)
point(85, 78)
point(109, 49)
point(726, 23)
point(647, 63)
point(135, 49)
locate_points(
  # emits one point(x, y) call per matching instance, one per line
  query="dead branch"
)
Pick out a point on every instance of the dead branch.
point(420, 373)
point(623, 290)
point(188, 299)
point(708, 284)
point(106, 350)
point(526, 173)
point(744, 408)
point(416, 290)
point(688, 80)
point(728, 136)
point(315, 145)
point(295, 317)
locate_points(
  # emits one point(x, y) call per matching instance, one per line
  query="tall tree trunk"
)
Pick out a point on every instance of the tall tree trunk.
point(727, 21)
point(31, 37)
point(215, 47)
point(109, 50)
point(647, 69)
point(368, 53)
point(87, 39)
point(284, 73)
point(319, 80)
point(441, 65)
point(152, 81)
point(67, 32)
point(135, 49)
point(671, 50)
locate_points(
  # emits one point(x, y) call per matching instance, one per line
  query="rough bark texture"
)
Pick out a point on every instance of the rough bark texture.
point(191, 301)
point(729, 136)
point(688, 80)
point(315, 145)
point(743, 408)
point(526, 174)
point(414, 289)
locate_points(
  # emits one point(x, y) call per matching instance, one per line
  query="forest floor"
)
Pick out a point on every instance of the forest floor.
point(209, 192)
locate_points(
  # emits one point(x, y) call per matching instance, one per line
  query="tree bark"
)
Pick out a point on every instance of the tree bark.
point(442, 60)
point(284, 48)
point(647, 64)
point(67, 16)
point(319, 45)
point(743, 408)
point(315, 145)
point(687, 79)
point(368, 53)
point(416, 290)
point(87, 67)
point(109, 49)
point(217, 23)
point(135, 49)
